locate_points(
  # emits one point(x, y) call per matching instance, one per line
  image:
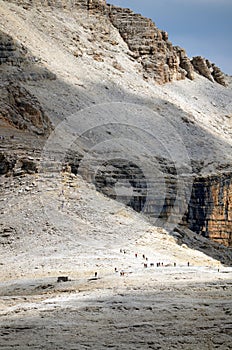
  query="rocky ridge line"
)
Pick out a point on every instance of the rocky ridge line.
point(149, 45)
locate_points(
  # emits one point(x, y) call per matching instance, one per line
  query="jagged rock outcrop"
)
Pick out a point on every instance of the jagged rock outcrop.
point(208, 70)
point(149, 45)
point(210, 208)
point(6, 164)
point(66, 4)
point(160, 60)
point(20, 109)
point(17, 165)
point(185, 62)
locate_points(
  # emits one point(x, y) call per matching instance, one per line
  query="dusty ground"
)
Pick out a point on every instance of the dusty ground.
point(160, 308)
point(165, 307)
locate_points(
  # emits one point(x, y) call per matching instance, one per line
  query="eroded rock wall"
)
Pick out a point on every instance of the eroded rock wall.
point(18, 107)
point(23, 122)
point(208, 70)
point(149, 45)
point(210, 208)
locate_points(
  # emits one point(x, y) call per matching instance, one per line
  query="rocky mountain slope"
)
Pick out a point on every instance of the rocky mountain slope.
point(57, 62)
point(116, 174)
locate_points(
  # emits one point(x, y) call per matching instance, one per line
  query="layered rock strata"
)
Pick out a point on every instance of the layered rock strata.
point(22, 118)
point(160, 60)
point(149, 45)
point(21, 110)
point(17, 63)
point(210, 208)
point(208, 70)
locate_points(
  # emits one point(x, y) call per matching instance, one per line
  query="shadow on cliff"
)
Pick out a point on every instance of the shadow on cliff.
point(61, 100)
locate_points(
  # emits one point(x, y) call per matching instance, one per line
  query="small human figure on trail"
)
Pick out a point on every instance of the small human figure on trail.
point(115, 269)
point(145, 265)
point(122, 273)
point(151, 264)
point(136, 255)
point(174, 264)
point(95, 274)
point(89, 2)
point(120, 250)
point(143, 256)
point(188, 263)
point(146, 259)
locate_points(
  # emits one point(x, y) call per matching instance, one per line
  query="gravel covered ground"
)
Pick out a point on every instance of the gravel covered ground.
point(159, 309)
point(164, 307)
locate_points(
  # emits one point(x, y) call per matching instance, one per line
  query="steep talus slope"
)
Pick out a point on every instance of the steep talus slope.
point(106, 70)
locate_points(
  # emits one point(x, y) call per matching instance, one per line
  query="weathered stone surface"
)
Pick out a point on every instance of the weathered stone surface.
point(185, 62)
point(160, 60)
point(218, 75)
point(6, 164)
point(201, 66)
point(22, 110)
point(66, 4)
point(149, 45)
point(7, 234)
point(17, 63)
point(208, 70)
point(210, 208)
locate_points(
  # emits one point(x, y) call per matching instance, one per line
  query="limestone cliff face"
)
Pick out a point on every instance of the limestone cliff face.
point(160, 60)
point(210, 208)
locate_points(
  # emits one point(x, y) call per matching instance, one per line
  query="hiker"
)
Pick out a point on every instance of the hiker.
point(89, 2)
point(95, 274)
